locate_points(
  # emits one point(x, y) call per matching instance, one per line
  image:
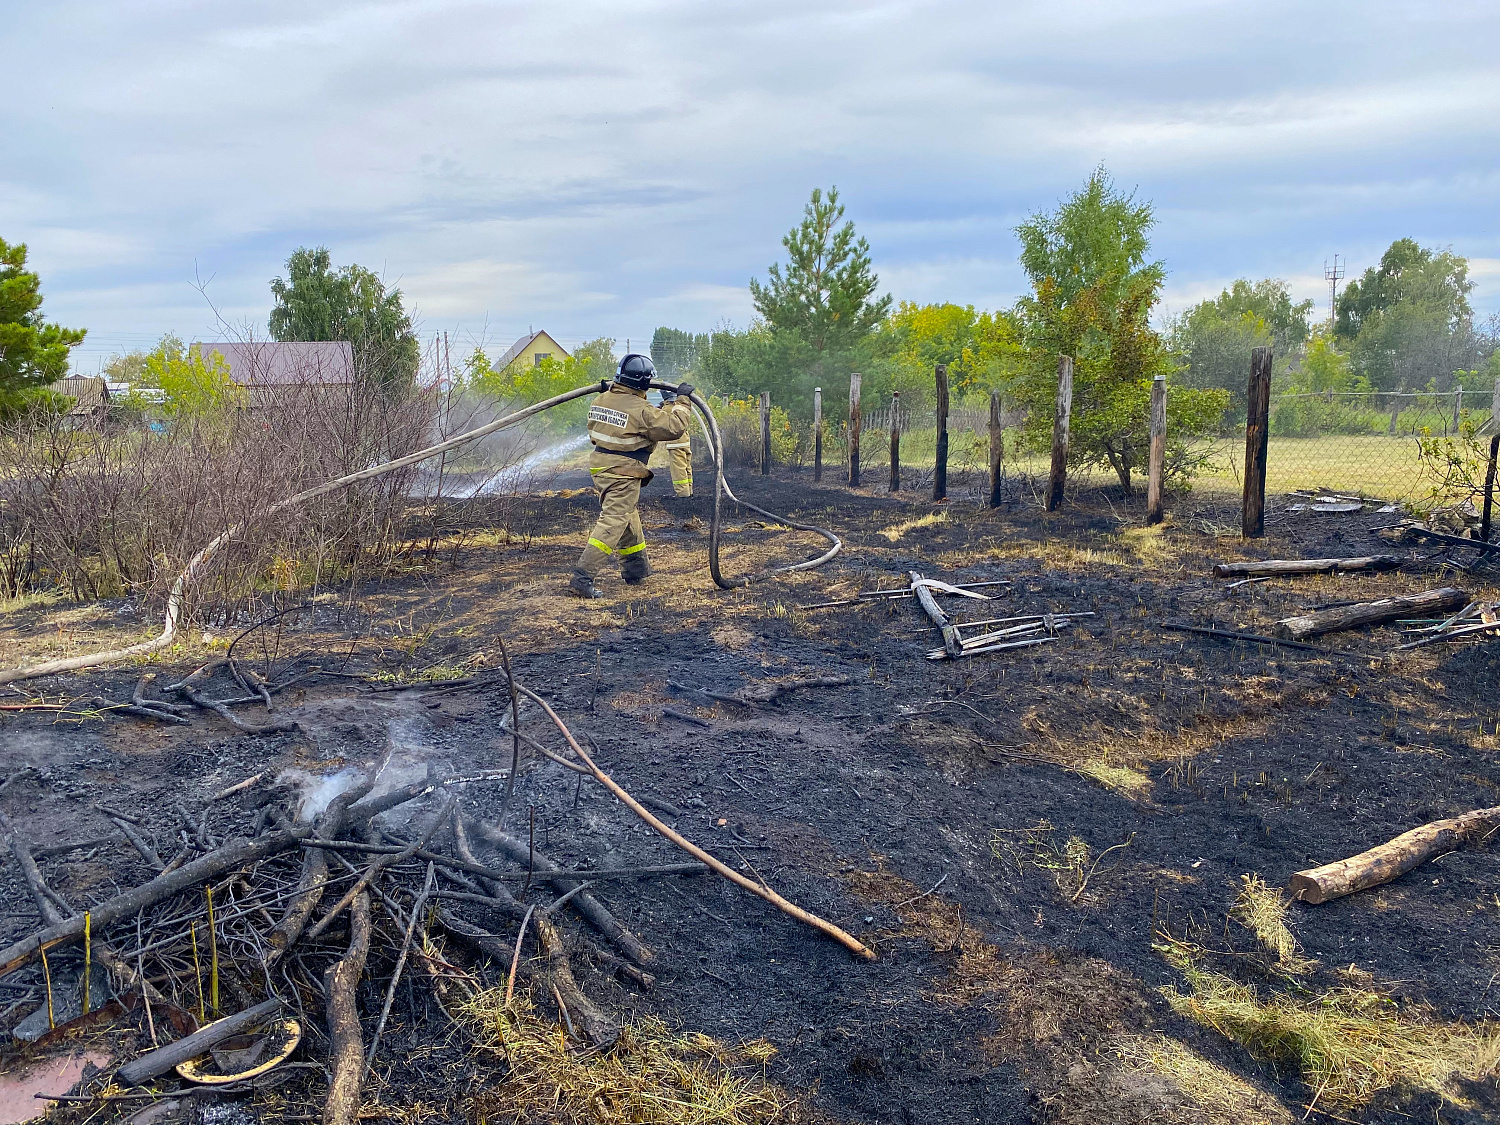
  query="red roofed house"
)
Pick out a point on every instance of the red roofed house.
point(264, 368)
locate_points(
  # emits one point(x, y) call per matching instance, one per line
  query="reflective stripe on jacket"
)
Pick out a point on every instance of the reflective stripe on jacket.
point(625, 428)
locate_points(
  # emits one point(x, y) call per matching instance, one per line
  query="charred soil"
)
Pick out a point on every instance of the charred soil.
point(957, 816)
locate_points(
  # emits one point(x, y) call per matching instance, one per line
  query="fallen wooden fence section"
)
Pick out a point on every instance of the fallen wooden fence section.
point(1370, 613)
point(1392, 859)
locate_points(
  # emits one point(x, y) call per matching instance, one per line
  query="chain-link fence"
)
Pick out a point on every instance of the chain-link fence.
point(1365, 443)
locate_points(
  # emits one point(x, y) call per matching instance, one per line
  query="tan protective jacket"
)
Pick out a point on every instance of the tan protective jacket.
point(625, 428)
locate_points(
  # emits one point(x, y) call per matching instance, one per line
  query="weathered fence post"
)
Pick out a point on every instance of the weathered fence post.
point(1396, 410)
point(1489, 488)
point(1458, 404)
point(1157, 465)
point(1495, 408)
point(765, 433)
point(997, 449)
point(854, 425)
point(817, 434)
point(895, 441)
point(940, 471)
point(1059, 475)
point(1257, 434)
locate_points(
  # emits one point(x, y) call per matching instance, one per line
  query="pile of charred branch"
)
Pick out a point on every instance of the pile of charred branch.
point(259, 931)
point(244, 687)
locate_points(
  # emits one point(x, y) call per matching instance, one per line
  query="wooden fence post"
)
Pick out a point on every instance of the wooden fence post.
point(1257, 434)
point(1157, 466)
point(854, 425)
point(940, 472)
point(1489, 488)
point(817, 434)
point(1060, 419)
point(997, 449)
point(1495, 408)
point(765, 433)
point(895, 441)
point(1458, 405)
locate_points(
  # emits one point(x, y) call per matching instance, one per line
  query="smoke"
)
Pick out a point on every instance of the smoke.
point(407, 759)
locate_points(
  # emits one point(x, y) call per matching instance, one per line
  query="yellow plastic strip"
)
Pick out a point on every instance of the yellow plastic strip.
point(629, 550)
point(595, 543)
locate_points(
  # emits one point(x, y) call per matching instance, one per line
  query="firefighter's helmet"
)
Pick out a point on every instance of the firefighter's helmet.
point(636, 372)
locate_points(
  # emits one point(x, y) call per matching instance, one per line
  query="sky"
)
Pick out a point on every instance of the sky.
point(599, 169)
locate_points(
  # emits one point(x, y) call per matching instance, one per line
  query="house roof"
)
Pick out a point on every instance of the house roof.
point(520, 346)
point(286, 363)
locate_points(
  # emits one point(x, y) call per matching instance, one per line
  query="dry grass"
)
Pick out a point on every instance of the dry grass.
point(1349, 1043)
point(1128, 781)
point(1219, 1096)
point(1262, 909)
point(652, 1076)
point(896, 531)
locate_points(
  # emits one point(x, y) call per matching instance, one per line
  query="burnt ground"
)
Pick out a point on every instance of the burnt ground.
point(1007, 994)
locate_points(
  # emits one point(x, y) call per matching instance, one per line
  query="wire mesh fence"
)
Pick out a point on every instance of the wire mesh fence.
point(1367, 443)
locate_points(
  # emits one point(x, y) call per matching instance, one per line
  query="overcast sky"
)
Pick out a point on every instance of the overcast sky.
point(604, 168)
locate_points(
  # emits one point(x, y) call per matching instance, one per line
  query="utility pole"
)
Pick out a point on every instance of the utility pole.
point(1333, 275)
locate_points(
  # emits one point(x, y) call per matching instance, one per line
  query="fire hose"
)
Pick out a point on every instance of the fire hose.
point(199, 562)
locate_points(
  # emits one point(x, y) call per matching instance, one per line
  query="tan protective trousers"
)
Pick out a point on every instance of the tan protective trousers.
point(680, 454)
point(618, 528)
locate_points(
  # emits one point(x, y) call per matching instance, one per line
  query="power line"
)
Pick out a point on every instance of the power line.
point(1333, 275)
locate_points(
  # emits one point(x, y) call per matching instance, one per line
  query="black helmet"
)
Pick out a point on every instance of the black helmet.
point(636, 372)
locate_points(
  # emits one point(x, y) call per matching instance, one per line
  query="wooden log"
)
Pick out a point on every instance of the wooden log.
point(951, 644)
point(1305, 566)
point(855, 421)
point(817, 434)
point(940, 471)
point(200, 870)
point(1157, 462)
point(1057, 477)
point(895, 441)
point(1343, 617)
point(997, 450)
point(1257, 434)
point(765, 433)
point(139, 1071)
point(346, 1044)
point(1392, 859)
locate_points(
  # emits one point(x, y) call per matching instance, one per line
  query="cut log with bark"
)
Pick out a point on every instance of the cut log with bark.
point(1335, 620)
point(1392, 859)
point(139, 1071)
point(1265, 567)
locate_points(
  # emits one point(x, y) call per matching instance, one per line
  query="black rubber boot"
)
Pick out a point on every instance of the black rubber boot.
point(635, 569)
point(582, 586)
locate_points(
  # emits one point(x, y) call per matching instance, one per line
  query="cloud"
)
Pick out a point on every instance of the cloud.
point(608, 167)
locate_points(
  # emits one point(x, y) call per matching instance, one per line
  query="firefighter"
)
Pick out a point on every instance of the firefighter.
point(624, 429)
point(680, 456)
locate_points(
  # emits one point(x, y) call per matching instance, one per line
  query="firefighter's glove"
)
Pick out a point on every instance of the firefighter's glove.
point(684, 390)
